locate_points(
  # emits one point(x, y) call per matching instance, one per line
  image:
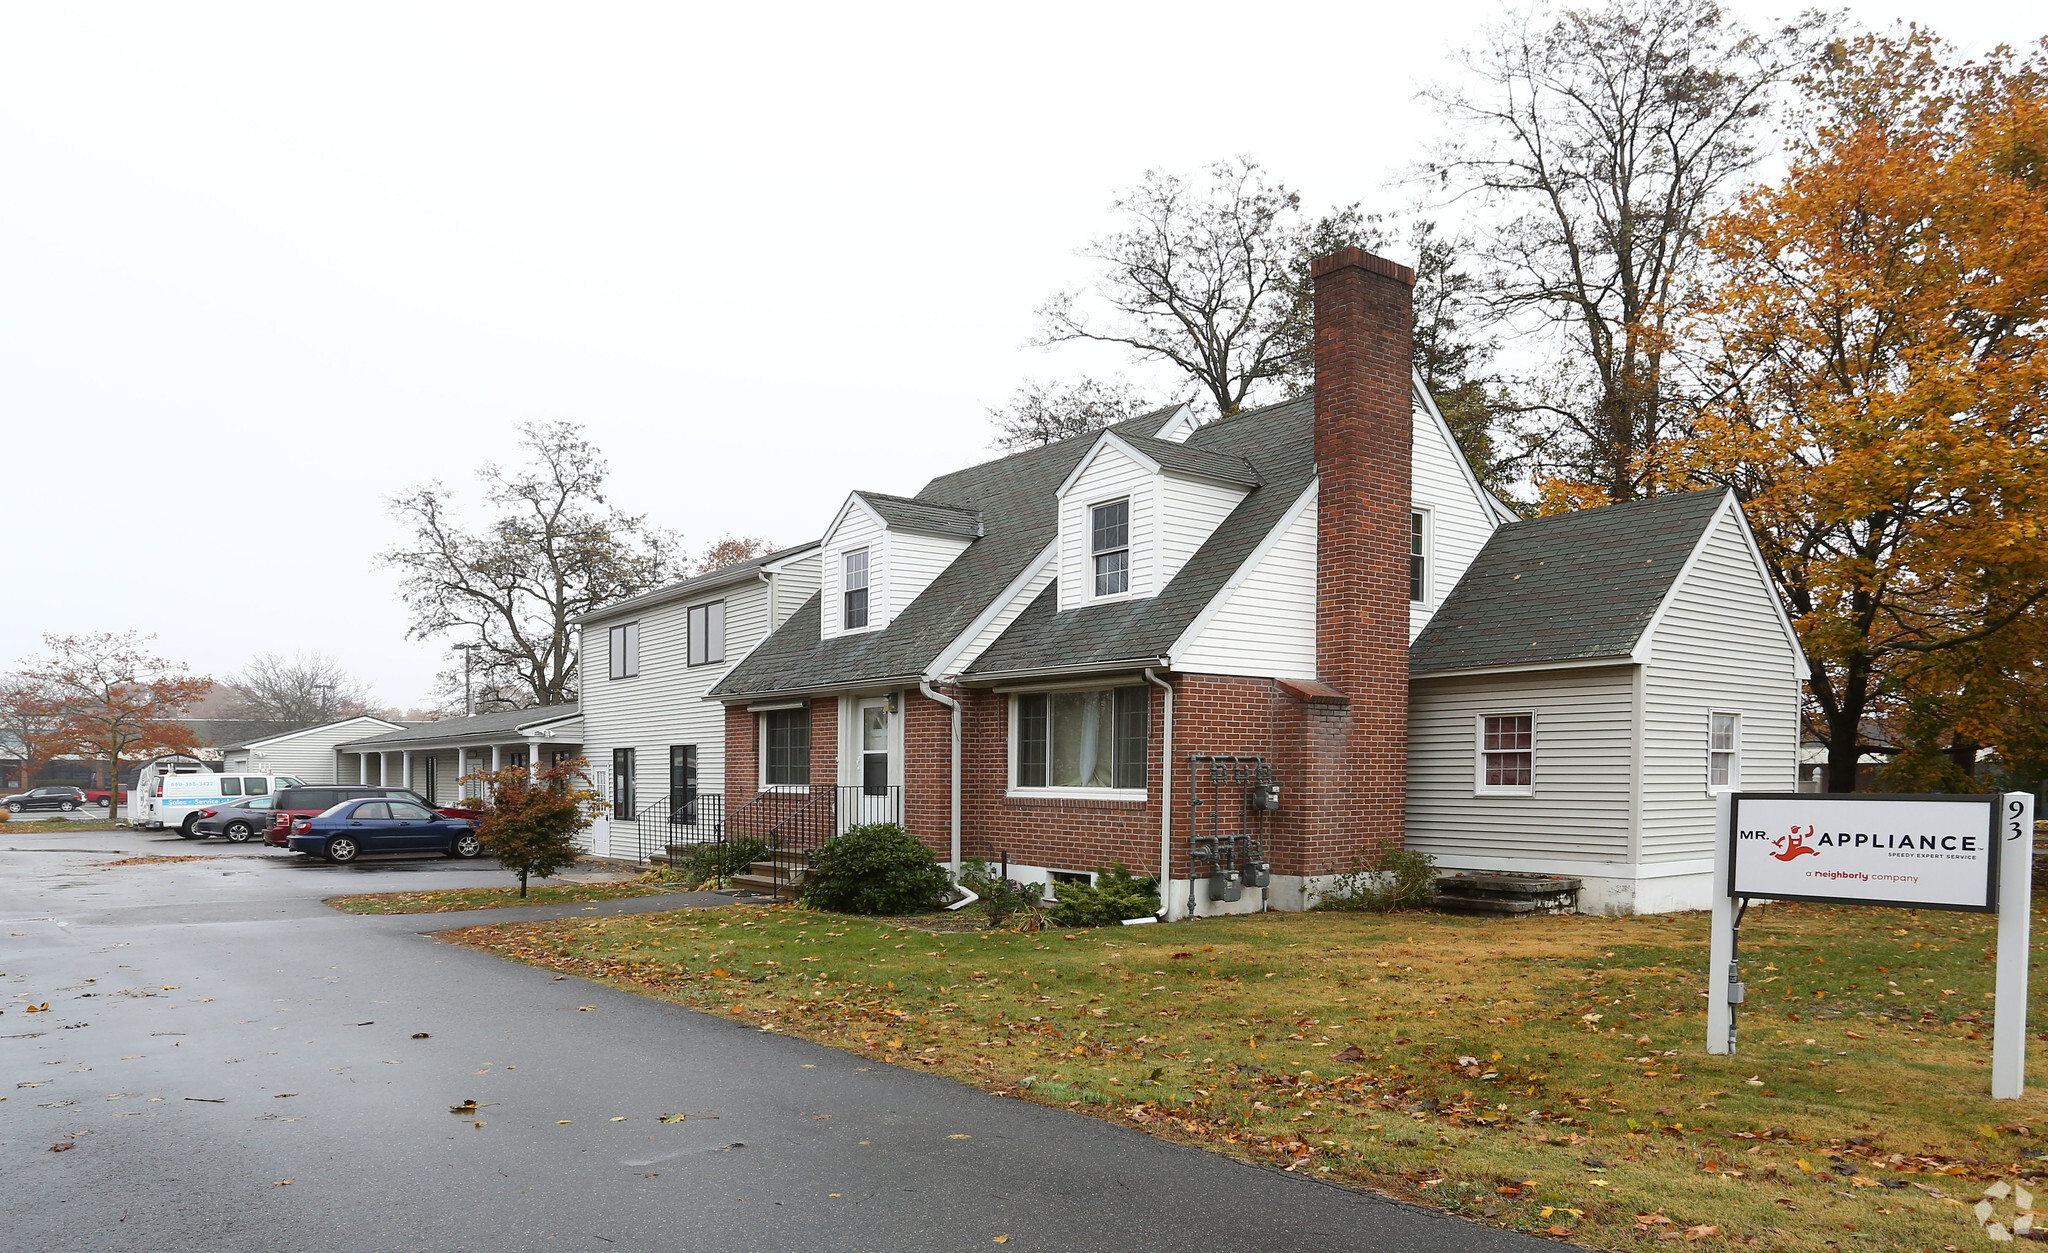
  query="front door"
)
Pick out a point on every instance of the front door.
point(873, 802)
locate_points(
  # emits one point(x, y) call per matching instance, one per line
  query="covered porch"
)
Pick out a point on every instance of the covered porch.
point(433, 758)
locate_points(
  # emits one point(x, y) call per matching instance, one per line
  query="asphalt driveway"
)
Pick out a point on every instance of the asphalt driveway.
point(213, 1031)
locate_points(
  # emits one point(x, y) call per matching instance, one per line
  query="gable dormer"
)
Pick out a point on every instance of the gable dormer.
point(1134, 510)
point(880, 553)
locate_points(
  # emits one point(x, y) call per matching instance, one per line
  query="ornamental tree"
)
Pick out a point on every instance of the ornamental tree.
point(532, 815)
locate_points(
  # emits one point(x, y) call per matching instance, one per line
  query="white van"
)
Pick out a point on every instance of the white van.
point(174, 800)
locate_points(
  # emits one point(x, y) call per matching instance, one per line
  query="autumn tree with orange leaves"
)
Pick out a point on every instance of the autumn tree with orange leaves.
point(1878, 347)
point(115, 699)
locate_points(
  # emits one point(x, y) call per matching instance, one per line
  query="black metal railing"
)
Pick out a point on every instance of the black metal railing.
point(794, 822)
point(673, 823)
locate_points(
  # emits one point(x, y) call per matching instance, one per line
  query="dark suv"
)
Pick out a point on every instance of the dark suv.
point(293, 804)
point(46, 798)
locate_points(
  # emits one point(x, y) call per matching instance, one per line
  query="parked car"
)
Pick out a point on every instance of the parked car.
point(173, 799)
point(66, 798)
point(355, 827)
point(308, 801)
point(103, 798)
point(239, 821)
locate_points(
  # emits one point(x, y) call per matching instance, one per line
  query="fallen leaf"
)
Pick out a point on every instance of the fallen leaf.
point(421, 1035)
point(673, 1117)
point(279, 1096)
point(1852, 1035)
point(563, 1122)
point(65, 1147)
point(581, 1009)
point(1557, 1229)
point(371, 1023)
point(1002, 1239)
point(283, 1183)
point(1701, 1232)
point(467, 1107)
point(1351, 1053)
point(620, 1118)
point(959, 1137)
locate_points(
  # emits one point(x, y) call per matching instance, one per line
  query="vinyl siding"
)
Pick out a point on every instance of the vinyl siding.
point(1459, 521)
point(1718, 648)
point(914, 561)
point(1193, 509)
point(665, 705)
point(1110, 474)
point(309, 756)
point(1266, 626)
point(794, 584)
point(1001, 623)
point(857, 530)
point(1580, 810)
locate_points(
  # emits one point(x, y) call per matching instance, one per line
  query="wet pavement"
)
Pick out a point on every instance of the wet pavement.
point(214, 1031)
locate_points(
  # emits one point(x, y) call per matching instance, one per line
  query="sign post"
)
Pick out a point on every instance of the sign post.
point(1972, 853)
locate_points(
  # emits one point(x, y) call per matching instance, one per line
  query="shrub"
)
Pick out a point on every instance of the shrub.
point(1000, 898)
point(1115, 895)
point(707, 865)
point(1406, 881)
point(875, 869)
point(532, 820)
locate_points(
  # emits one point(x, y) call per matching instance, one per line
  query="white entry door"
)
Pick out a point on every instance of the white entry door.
point(873, 800)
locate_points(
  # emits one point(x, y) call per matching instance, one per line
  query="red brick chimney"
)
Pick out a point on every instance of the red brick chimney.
point(1364, 336)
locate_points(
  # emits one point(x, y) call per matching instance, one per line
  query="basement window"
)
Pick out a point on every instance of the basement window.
point(1505, 762)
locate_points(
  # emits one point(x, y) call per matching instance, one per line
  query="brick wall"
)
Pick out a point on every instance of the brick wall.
point(743, 750)
point(1355, 756)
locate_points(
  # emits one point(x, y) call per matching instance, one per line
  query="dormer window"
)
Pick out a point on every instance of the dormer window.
point(1109, 544)
point(856, 589)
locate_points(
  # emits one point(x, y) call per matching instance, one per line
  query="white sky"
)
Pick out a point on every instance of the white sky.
point(263, 266)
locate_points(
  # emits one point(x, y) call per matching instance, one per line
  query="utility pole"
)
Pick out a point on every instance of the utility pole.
point(326, 691)
point(468, 697)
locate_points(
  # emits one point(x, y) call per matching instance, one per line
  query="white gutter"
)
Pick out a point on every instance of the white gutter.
point(1166, 806)
point(924, 685)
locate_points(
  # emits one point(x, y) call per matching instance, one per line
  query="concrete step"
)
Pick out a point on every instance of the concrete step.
point(1506, 893)
point(767, 884)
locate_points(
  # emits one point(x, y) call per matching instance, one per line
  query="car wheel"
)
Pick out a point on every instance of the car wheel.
point(465, 845)
point(102, 802)
point(191, 831)
point(68, 806)
point(239, 832)
point(341, 848)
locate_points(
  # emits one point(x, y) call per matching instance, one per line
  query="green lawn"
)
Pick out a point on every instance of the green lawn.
point(1545, 1074)
point(456, 899)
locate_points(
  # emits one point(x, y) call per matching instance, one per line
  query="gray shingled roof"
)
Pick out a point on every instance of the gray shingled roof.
point(1190, 459)
point(1014, 497)
point(476, 728)
point(901, 513)
point(706, 582)
point(1573, 587)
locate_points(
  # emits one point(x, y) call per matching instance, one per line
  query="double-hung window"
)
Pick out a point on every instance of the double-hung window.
point(1418, 557)
point(622, 783)
point(786, 747)
point(855, 590)
point(707, 633)
point(1109, 546)
point(1507, 754)
point(1092, 739)
point(1724, 752)
point(625, 647)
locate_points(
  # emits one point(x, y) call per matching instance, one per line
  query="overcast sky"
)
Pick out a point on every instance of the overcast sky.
point(263, 266)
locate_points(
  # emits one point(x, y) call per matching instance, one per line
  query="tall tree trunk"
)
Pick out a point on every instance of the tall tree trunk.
point(1845, 742)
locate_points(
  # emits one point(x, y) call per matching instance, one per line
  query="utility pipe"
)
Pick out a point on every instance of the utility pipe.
point(1166, 808)
point(924, 685)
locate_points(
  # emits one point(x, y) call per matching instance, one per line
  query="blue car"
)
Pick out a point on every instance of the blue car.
point(355, 827)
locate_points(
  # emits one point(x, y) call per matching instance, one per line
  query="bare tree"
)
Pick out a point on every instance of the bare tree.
point(310, 687)
point(32, 730)
point(1594, 143)
point(730, 550)
point(553, 548)
point(1197, 278)
point(1046, 413)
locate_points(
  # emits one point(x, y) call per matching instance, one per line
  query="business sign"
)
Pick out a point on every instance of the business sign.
point(1917, 852)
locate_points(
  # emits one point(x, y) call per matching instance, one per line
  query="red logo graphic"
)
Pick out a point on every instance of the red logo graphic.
point(1794, 845)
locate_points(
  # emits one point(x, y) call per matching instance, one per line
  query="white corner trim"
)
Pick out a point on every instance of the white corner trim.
point(941, 665)
point(1480, 496)
point(1244, 570)
point(1646, 643)
point(1799, 663)
point(325, 726)
point(1107, 439)
point(1184, 414)
point(767, 706)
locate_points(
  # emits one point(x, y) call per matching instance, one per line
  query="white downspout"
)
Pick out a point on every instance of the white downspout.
point(924, 685)
point(1166, 913)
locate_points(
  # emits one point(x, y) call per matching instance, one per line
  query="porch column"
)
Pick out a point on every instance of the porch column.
point(362, 767)
point(405, 767)
point(495, 767)
point(460, 754)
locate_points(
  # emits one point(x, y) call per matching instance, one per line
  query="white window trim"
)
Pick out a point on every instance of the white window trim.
point(1479, 786)
point(1130, 548)
point(1734, 783)
point(761, 783)
point(877, 619)
point(1428, 517)
point(1015, 791)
